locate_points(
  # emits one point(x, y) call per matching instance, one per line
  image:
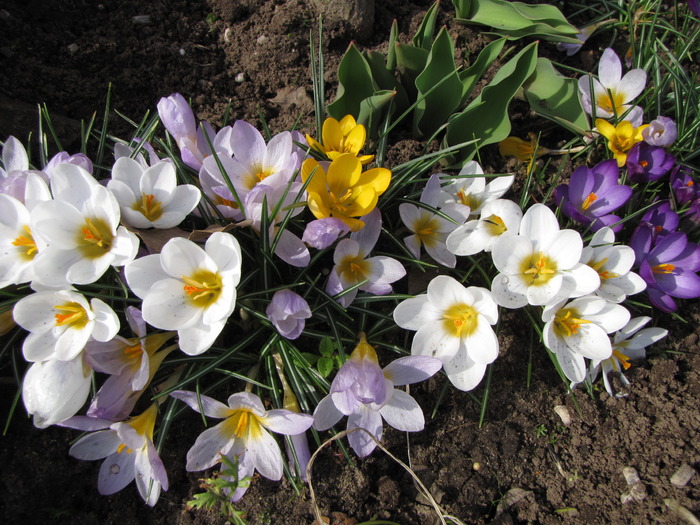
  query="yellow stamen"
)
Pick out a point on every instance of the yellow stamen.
point(460, 320)
point(132, 352)
point(566, 323)
point(75, 315)
point(663, 268)
point(592, 197)
point(149, 207)
point(95, 238)
point(28, 242)
point(539, 268)
point(624, 360)
point(203, 287)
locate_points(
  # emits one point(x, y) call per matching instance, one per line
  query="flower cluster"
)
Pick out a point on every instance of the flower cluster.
point(261, 260)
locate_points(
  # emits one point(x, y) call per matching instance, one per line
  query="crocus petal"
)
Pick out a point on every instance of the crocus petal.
point(286, 422)
point(411, 369)
point(433, 341)
point(210, 406)
point(208, 448)
point(403, 412)
point(326, 414)
point(371, 421)
point(96, 445)
point(463, 372)
point(116, 472)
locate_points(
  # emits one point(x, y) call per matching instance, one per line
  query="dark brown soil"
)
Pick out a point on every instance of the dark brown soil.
point(522, 466)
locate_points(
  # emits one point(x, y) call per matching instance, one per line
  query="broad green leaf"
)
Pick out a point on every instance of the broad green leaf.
point(410, 61)
point(437, 103)
point(325, 366)
point(517, 20)
point(385, 79)
point(326, 346)
point(355, 83)
point(473, 73)
point(424, 36)
point(486, 117)
point(372, 111)
point(556, 97)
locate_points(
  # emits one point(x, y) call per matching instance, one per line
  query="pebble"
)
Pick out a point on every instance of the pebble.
point(262, 39)
point(563, 414)
point(240, 77)
point(682, 476)
point(637, 489)
point(227, 35)
point(73, 48)
point(143, 20)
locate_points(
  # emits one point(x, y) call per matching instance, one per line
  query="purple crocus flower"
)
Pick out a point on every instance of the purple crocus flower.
point(683, 185)
point(365, 392)
point(647, 163)
point(593, 194)
point(659, 221)
point(669, 270)
point(694, 6)
point(288, 312)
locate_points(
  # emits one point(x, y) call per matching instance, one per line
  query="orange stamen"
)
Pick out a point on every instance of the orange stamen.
point(663, 268)
point(592, 197)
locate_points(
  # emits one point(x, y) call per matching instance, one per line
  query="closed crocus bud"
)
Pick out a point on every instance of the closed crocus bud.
point(288, 312)
point(662, 132)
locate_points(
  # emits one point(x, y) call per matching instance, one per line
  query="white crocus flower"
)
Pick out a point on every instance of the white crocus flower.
point(431, 229)
point(497, 217)
point(151, 197)
point(629, 343)
point(54, 390)
point(473, 192)
point(81, 226)
point(453, 324)
point(613, 264)
point(540, 265)
point(578, 330)
point(189, 289)
point(61, 323)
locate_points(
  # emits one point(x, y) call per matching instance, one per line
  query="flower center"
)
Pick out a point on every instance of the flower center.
point(203, 287)
point(604, 274)
point(460, 320)
point(353, 269)
point(592, 197)
point(622, 358)
point(339, 205)
point(71, 315)
point(242, 422)
point(611, 102)
point(663, 268)
point(95, 238)
point(26, 242)
point(643, 163)
point(132, 352)
point(566, 322)
point(425, 227)
point(495, 225)
point(151, 208)
point(538, 269)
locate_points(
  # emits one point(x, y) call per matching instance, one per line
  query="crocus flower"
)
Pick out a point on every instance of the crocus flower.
point(341, 137)
point(497, 217)
point(540, 265)
point(629, 343)
point(60, 323)
point(430, 229)
point(366, 393)
point(178, 118)
point(189, 289)
point(288, 312)
point(621, 138)
point(612, 93)
point(658, 221)
point(694, 6)
point(353, 265)
point(18, 247)
point(662, 131)
point(670, 270)
point(81, 227)
point(470, 190)
point(684, 185)
point(242, 433)
point(583, 35)
point(15, 169)
point(647, 163)
point(54, 390)
point(453, 324)
point(613, 262)
point(129, 455)
point(578, 329)
point(321, 233)
point(151, 197)
point(593, 194)
point(342, 190)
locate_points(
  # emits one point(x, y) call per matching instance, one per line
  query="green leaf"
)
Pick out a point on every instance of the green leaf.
point(309, 359)
point(385, 79)
point(555, 97)
point(436, 104)
point(516, 20)
point(372, 109)
point(410, 61)
point(355, 83)
point(486, 117)
point(326, 346)
point(325, 366)
point(424, 36)
point(470, 76)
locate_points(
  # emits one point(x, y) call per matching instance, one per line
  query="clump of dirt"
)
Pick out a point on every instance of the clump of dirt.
point(524, 464)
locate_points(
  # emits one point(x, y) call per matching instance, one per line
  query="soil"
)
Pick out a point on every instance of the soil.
point(523, 465)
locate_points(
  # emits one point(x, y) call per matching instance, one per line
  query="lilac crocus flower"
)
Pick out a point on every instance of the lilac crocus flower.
point(288, 312)
point(662, 131)
point(683, 185)
point(647, 163)
point(353, 264)
point(593, 194)
point(130, 455)
point(321, 233)
point(365, 392)
point(659, 221)
point(670, 270)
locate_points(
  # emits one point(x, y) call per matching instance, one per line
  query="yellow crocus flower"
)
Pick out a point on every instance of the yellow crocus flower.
point(341, 137)
point(621, 138)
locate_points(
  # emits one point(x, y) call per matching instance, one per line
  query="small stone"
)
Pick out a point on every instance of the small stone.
point(227, 35)
point(563, 414)
point(476, 466)
point(182, 52)
point(682, 476)
point(73, 48)
point(143, 20)
point(240, 77)
point(637, 489)
point(4, 14)
point(262, 39)
point(631, 476)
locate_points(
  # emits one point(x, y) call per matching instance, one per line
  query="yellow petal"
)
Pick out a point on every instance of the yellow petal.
point(332, 135)
point(605, 128)
point(343, 173)
point(347, 124)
